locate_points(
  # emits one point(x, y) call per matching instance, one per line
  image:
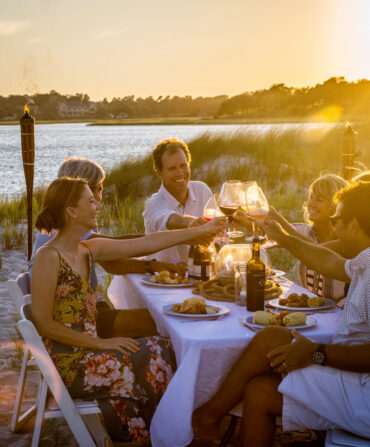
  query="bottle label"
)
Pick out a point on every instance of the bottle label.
point(256, 290)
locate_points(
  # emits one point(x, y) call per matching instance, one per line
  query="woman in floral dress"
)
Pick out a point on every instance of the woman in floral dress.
point(126, 376)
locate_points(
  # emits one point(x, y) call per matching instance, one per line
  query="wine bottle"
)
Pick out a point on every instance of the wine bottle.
point(199, 262)
point(256, 275)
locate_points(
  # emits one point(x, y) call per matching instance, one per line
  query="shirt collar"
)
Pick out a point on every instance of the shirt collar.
point(174, 202)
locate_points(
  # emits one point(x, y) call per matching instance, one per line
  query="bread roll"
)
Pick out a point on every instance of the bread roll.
point(316, 301)
point(265, 318)
point(194, 300)
point(294, 319)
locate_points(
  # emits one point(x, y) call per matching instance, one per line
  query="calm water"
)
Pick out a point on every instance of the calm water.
point(108, 145)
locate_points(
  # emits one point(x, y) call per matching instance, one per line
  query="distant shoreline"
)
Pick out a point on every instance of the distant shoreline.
point(178, 121)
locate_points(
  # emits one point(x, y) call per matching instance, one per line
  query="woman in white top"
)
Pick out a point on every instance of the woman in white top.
point(318, 209)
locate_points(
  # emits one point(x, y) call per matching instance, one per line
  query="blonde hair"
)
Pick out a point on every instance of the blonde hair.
point(325, 186)
point(76, 167)
point(61, 193)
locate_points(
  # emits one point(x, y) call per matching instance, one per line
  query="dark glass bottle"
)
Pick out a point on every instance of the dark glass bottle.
point(199, 262)
point(256, 275)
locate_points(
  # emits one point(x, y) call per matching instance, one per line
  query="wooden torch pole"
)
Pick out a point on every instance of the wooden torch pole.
point(28, 155)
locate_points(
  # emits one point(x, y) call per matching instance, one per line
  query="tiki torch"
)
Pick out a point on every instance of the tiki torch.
point(28, 155)
point(349, 151)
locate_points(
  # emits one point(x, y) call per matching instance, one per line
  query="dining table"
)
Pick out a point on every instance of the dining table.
point(205, 347)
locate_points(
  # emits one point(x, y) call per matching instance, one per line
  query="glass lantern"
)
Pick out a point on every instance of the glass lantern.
point(234, 255)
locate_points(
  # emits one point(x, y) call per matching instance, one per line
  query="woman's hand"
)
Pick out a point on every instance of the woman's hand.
point(215, 225)
point(294, 355)
point(121, 344)
point(272, 229)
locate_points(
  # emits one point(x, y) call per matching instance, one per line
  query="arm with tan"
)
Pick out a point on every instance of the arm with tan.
point(109, 250)
point(314, 256)
point(297, 355)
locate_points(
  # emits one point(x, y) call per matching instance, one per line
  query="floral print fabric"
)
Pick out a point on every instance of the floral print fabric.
point(128, 387)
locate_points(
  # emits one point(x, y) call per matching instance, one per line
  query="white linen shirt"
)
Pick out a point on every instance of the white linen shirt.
point(354, 326)
point(163, 204)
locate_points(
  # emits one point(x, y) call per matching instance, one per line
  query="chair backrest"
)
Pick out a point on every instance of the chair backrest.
point(52, 377)
point(18, 288)
point(23, 281)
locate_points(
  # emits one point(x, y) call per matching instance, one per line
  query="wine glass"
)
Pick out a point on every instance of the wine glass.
point(211, 209)
point(230, 201)
point(255, 203)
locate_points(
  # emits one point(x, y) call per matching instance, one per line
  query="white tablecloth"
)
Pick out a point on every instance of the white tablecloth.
point(205, 351)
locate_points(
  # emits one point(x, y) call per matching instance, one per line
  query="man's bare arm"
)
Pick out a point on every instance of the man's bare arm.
point(314, 256)
point(177, 221)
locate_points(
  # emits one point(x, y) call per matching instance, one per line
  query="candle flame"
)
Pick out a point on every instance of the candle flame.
point(26, 109)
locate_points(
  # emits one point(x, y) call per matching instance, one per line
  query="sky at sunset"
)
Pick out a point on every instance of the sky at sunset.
point(115, 48)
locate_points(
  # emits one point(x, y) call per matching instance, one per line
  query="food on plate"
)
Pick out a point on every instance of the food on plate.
point(295, 300)
point(193, 305)
point(265, 318)
point(316, 301)
point(285, 318)
point(165, 277)
point(294, 319)
point(272, 289)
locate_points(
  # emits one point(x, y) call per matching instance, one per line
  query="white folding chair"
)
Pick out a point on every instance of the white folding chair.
point(19, 293)
point(342, 438)
point(18, 288)
point(83, 417)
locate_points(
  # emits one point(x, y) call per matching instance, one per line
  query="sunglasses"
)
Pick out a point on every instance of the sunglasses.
point(335, 219)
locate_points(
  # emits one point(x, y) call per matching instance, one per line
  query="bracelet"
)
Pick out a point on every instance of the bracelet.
point(148, 268)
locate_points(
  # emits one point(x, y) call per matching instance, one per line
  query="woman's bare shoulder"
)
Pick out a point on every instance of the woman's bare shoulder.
point(47, 253)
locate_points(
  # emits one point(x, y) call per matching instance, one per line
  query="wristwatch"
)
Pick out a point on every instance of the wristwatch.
point(319, 356)
point(148, 269)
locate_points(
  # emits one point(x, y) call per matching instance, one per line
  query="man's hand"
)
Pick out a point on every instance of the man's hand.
point(241, 219)
point(294, 355)
point(205, 240)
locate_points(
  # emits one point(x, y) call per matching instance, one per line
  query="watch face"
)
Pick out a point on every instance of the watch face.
point(318, 357)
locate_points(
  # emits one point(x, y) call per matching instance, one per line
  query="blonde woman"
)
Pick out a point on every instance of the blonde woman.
point(318, 227)
point(126, 376)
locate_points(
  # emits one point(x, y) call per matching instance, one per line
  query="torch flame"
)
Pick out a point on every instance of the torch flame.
point(26, 109)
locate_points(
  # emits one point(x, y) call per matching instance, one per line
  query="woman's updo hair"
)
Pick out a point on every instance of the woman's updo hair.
point(326, 186)
point(76, 167)
point(61, 193)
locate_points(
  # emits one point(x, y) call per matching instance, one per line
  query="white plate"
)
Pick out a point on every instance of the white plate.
point(277, 273)
point(221, 310)
point(146, 281)
point(328, 304)
point(310, 322)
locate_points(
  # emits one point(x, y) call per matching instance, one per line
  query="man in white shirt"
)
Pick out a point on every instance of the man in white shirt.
point(179, 202)
point(323, 386)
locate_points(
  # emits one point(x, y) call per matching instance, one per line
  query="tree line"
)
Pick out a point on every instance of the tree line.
point(334, 96)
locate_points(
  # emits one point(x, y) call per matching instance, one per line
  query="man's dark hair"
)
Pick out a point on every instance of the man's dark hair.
point(170, 145)
point(356, 204)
